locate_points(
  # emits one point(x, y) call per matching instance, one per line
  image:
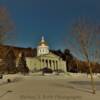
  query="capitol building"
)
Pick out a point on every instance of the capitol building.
point(45, 58)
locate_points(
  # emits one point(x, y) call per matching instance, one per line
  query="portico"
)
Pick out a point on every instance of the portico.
point(51, 61)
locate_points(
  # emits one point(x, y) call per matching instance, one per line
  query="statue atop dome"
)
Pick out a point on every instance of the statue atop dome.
point(42, 39)
point(43, 42)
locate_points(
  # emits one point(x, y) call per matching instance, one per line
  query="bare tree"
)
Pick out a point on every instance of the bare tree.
point(84, 37)
point(6, 25)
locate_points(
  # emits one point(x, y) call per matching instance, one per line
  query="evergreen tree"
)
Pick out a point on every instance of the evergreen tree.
point(22, 66)
point(10, 61)
point(68, 58)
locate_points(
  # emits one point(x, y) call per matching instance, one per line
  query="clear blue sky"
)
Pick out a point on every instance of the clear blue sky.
point(52, 17)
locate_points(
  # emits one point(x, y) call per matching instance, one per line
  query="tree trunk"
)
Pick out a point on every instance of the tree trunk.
point(92, 79)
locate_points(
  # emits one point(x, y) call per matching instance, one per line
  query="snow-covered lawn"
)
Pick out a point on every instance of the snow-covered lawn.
point(67, 86)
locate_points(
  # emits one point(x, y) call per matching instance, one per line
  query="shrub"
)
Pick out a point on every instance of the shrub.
point(47, 70)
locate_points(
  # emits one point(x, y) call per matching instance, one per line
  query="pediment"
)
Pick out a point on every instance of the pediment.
point(51, 55)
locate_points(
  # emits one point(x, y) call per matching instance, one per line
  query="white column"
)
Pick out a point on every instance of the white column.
point(48, 64)
point(53, 64)
point(57, 65)
point(52, 67)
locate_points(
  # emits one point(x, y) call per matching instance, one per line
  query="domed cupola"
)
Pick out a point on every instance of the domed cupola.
point(42, 47)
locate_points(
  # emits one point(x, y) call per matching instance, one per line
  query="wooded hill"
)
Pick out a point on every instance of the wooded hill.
point(72, 64)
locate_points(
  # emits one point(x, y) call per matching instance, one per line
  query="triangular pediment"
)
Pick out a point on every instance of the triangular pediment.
point(50, 55)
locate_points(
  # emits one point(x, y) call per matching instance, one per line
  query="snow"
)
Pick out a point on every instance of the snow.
point(68, 86)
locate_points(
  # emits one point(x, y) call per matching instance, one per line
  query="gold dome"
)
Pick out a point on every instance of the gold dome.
point(43, 42)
